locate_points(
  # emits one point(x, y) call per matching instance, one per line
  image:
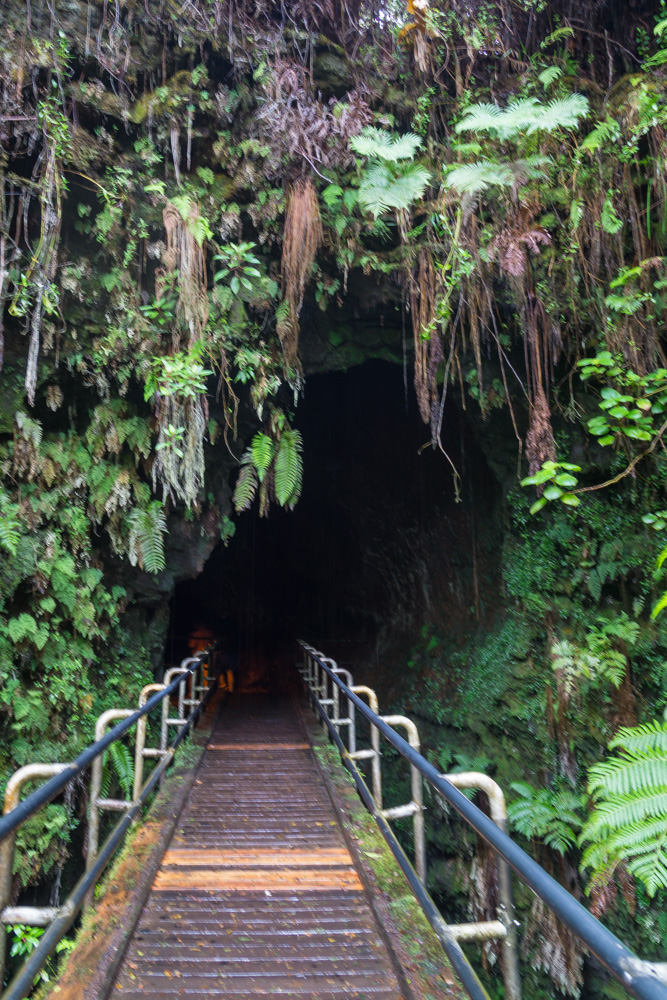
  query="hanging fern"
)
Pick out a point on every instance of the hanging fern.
point(263, 449)
point(629, 823)
point(288, 469)
point(146, 541)
point(246, 484)
point(526, 116)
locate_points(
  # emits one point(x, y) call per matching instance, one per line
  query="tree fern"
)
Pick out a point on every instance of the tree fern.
point(629, 822)
point(388, 183)
point(146, 541)
point(382, 188)
point(525, 115)
point(383, 145)
point(262, 449)
point(288, 469)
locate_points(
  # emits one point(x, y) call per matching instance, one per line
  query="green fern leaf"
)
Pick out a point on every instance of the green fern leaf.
point(262, 449)
point(146, 540)
point(380, 144)
point(122, 764)
point(524, 116)
point(246, 485)
point(381, 189)
point(9, 531)
point(288, 469)
point(473, 178)
point(629, 822)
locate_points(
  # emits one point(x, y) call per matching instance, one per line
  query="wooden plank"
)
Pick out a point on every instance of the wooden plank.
point(258, 858)
point(269, 879)
point(258, 746)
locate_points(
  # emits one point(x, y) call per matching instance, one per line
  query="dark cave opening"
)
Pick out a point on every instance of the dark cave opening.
point(378, 541)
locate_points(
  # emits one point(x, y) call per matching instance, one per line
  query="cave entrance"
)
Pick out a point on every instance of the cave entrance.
point(378, 543)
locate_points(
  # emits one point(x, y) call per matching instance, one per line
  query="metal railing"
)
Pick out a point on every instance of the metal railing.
point(323, 679)
point(58, 920)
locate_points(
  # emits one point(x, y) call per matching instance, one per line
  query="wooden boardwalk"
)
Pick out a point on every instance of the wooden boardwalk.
point(258, 895)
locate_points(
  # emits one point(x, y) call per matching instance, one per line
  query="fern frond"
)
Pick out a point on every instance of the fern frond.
point(473, 178)
point(9, 532)
point(146, 541)
point(288, 472)
point(629, 822)
point(246, 484)
point(121, 761)
point(639, 739)
point(383, 145)
point(262, 449)
point(525, 115)
point(381, 189)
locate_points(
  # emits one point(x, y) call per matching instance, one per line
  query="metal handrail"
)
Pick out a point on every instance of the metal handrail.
point(58, 920)
point(642, 979)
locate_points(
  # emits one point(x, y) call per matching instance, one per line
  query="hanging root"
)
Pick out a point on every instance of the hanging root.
point(186, 255)
point(301, 240)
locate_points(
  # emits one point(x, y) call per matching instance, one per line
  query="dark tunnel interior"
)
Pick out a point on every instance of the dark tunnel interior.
point(378, 506)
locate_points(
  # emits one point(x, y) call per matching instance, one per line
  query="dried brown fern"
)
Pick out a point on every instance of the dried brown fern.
point(301, 240)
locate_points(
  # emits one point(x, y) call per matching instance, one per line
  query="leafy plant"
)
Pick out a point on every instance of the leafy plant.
point(273, 463)
point(238, 265)
point(629, 822)
point(553, 816)
point(389, 182)
point(524, 116)
point(146, 539)
point(560, 481)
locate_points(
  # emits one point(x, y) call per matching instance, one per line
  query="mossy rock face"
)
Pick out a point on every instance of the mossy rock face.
point(333, 74)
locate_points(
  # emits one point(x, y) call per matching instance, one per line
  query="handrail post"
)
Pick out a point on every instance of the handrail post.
point(12, 798)
point(417, 804)
point(95, 788)
point(498, 810)
point(350, 719)
point(140, 745)
point(374, 753)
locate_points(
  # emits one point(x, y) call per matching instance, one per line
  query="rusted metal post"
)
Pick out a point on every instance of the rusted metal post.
point(415, 808)
point(498, 810)
point(12, 798)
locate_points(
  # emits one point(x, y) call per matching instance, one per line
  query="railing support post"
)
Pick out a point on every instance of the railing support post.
point(498, 810)
point(12, 798)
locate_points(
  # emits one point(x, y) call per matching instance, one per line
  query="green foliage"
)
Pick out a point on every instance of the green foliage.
point(239, 266)
point(262, 450)
point(146, 540)
point(598, 659)
point(524, 116)
point(561, 482)
point(10, 525)
point(553, 816)
point(273, 463)
point(628, 823)
point(388, 182)
point(122, 765)
point(288, 469)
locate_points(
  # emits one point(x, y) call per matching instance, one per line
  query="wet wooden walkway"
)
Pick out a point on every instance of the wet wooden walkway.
point(258, 895)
